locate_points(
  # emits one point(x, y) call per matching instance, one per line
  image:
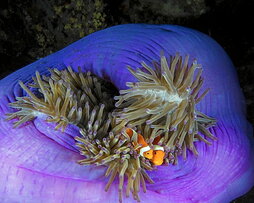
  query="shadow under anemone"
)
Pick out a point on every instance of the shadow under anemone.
point(106, 139)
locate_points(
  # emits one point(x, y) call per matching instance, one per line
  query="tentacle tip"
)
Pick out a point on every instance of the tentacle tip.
point(148, 122)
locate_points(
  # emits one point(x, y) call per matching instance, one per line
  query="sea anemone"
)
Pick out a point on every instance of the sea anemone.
point(65, 98)
point(69, 98)
point(36, 167)
point(165, 99)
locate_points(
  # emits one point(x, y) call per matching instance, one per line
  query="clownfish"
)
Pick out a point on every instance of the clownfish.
point(145, 149)
point(155, 155)
point(158, 152)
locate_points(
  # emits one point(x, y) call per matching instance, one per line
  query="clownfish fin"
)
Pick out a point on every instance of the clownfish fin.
point(156, 140)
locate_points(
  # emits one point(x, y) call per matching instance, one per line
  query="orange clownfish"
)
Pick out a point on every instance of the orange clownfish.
point(158, 153)
point(145, 149)
point(155, 155)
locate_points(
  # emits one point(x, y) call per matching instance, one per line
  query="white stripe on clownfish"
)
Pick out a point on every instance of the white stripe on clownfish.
point(144, 149)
